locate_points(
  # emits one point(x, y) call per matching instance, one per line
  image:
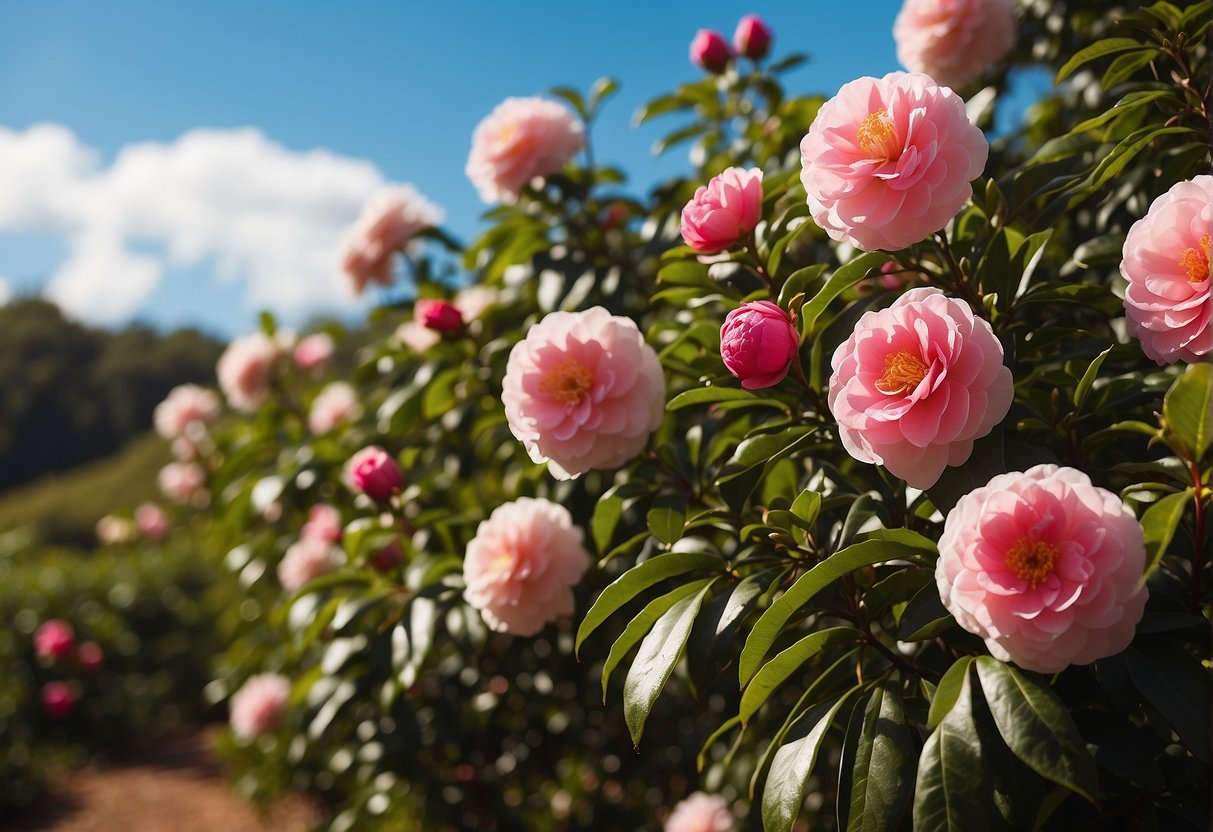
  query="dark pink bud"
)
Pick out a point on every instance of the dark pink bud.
point(54, 639)
point(752, 38)
point(439, 315)
point(388, 557)
point(710, 51)
point(58, 700)
point(90, 657)
point(375, 473)
point(758, 344)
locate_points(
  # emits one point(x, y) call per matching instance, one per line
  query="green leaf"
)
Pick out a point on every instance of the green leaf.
point(1177, 687)
point(1125, 105)
point(573, 97)
point(603, 89)
point(948, 691)
point(925, 617)
point(1036, 726)
point(631, 583)
point(884, 765)
point(639, 626)
point(952, 792)
point(667, 517)
point(1088, 379)
point(841, 280)
point(777, 671)
point(1128, 149)
point(1188, 409)
point(1099, 49)
point(712, 395)
point(784, 791)
point(655, 660)
point(1159, 523)
point(606, 517)
point(801, 279)
point(807, 506)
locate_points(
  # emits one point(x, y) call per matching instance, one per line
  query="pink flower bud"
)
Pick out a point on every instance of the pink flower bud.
point(152, 521)
point(375, 473)
point(54, 639)
point(723, 211)
point(314, 351)
point(58, 700)
point(752, 38)
point(710, 51)
point(90, 657)
point(758, 344)
point(323, 523)
point(439, 315)
point(388, 557)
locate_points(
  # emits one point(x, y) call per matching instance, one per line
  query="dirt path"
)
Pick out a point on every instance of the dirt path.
point(176, 786)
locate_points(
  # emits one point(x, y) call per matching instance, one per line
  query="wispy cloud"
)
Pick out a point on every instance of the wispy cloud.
point(262, 213)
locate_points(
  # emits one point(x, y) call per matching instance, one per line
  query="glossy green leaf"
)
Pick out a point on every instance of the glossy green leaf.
point(712, 395)
point(952, 792)
point(640, 626)
point(1188, 409)
point(948, 690)
point(779, 669)
point(1088, 379)
point(1178, 688)
point(841, 280)
point(1099, 49)
point(884, 767)
point(1159, 523)
point(667, 517)
point(784, 791)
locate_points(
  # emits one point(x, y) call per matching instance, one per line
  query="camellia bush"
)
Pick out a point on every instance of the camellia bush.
point(858, 479)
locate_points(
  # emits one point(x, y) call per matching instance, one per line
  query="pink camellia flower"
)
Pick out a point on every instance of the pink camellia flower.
point(180, 481)
point(259, 706)
point(389, 222)
point(314, 351)
point(521, 139)
point(1045, 566)
point(916, 383)
point(185, 404)
point(245, 370)
point(758, 344)
point(723, 211)
point(59, 699)
point(522, 565)
point(583, 390)
point(307, 559)
point(334, 405)
point(752, 39)
point(54, 639)
point(710, 51)
point(90, 657)
point(953, 41)
point(700, 812)
point(438, 315)
point(889, 160)
point(323, 523)
point(1166, 261)
point(375, 473)
point(153, 523)
point(416, 337)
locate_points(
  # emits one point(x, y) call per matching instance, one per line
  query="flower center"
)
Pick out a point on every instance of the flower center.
point(876, 136)
point(902, 373)
point(1032, 560)
point(568, 382)
point(1195, 261)
point(503, 563)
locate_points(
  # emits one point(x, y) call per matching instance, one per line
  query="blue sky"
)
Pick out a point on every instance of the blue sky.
point(391, 91)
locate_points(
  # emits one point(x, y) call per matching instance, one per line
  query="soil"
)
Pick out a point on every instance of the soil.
point(177, 785)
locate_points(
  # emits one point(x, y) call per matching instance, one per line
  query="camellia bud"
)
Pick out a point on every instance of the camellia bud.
point(54, 639)
point(90, 657)
point(710, 51)
point(439, 315)
point(758, 344)
point(58, 700)
point(375, 473)
point(752, 38)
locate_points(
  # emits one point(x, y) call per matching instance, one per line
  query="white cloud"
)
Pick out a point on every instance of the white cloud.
point(263, 214)
point(6, 291)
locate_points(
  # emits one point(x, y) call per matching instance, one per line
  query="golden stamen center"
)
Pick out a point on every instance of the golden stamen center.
point(503, 562)
point(1195, 261)
point(568, 382)
point(877, 137)
point(902, 373)
point(1032, 560)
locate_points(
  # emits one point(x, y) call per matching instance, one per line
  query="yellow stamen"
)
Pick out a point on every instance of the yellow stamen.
point(568, 382)
point(1032, 560)
point(902, 373)
point(1196, 261)
point(877, 137)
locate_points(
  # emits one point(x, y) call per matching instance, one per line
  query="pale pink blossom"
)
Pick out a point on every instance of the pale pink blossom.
point(710, 51)
point(723, 211)
point(54, 639)
point(389, 222)
point(752, 38)
point(181, 481)
point(916, 383)
point(889, 161)
point(583, 390)
point(416, 337)
point(153, 523)
point(523, 138)
point(438, 314)
point(314, 351)
point(246, 369)
point(59, 699)
point(259, 706)
point(472, 301)
point(185, 405)
point(323, 523)
point(307, 559)
point(1166, 261)
point(1044, 566)
point(758, 344)
point(521, 566)
point(700, 812)
point(185, 450)
point(374, 472)
point(953, 41)
point(115, 531)
point(334, 405)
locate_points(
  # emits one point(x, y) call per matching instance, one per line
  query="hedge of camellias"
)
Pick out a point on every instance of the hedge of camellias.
point(857, 479)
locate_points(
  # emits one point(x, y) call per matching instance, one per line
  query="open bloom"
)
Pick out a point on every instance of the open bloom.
point(583, 390)
point(374, 472)
point(54, 639)
point(152, 521)
point(723, 211)
point(257, 708)
point(185, 404)
point(710, 51)
point(245, 370)
point(758, 344)
point(389, 222)
point(522, 565)
point(1166, 261)
point(308, 559)
point(180, 481)
point(953, 41)
point(916, 383)
point(700, 812)
point(334, 405)
point(521, 139)
point(888, 161)
point(314, 351)
point(1045, 566)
